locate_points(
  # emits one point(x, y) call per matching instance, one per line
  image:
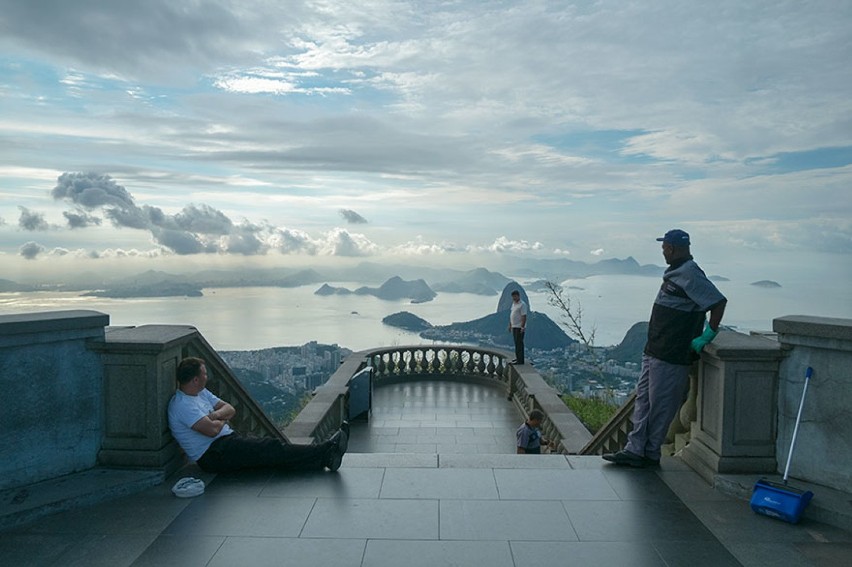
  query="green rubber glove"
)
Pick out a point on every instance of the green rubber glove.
point(698, 343)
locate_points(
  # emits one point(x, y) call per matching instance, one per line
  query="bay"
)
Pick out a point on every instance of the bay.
point(248, 318)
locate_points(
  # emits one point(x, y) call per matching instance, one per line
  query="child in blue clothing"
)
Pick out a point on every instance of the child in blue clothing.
point(529, 434)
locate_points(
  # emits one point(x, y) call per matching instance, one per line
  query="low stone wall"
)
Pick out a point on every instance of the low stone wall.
point(823, 452)
point(52, 387)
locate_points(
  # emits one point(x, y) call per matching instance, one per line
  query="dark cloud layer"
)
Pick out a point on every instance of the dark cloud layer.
point(135, 38)
point(31, 249)
point(92, 190)
point(80, 219)
point(352, 217)
point(195, 229)
point(31, 220)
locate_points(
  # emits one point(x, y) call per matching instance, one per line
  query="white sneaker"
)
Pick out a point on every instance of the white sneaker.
point(188, 487)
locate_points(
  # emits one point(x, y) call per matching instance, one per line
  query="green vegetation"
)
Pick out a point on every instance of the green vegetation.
point(285, 421)
point(594, 413)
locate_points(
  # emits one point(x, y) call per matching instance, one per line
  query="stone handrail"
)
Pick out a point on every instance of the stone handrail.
point(250, 417)
point(523, 385)
point(529, 391)
point(613, 435)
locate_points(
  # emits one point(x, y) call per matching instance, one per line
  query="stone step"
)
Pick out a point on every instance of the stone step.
point(28, 503)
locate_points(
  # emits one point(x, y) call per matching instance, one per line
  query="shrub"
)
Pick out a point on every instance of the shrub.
point(594, 413)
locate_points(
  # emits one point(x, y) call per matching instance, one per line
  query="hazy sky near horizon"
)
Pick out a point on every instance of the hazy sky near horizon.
point(197, 132)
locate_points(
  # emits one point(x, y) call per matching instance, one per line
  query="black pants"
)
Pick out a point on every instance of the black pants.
point(233, 452)
point(518, 335)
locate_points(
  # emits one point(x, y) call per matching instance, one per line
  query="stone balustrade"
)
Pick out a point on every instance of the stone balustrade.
point(523, 385)
point(738, 418)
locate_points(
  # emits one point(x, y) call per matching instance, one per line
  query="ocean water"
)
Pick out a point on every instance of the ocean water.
point(260, 317)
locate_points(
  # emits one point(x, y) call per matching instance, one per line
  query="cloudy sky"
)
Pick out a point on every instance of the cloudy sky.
point(190, 132)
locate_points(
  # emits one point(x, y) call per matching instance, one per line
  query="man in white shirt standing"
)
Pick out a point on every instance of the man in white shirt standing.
point(199, 422)
point(518, 325)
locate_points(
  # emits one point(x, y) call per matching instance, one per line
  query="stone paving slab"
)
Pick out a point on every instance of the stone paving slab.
point(465, 509)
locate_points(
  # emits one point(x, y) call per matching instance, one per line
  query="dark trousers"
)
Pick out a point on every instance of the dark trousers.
point(234, 452)
point(518, 335)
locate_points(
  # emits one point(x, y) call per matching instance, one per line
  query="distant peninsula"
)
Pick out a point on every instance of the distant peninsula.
point(769, 284)
point(161, 289)
point(490, 330)
point(407, 321)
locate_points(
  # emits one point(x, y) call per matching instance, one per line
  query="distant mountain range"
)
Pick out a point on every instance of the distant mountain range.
point(7, 286)
point(418, 291)
point(562, 269)
point(480, 281)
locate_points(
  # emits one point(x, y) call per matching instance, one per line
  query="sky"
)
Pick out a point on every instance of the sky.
point(175, 133)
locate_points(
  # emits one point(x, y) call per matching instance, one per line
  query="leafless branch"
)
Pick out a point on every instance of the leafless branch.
point(572, 316)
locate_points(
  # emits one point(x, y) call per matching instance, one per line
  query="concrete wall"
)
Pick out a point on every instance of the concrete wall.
point(823, 452)
point(51, 388)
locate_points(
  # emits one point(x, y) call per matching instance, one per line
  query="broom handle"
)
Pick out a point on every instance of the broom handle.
point(808, 373)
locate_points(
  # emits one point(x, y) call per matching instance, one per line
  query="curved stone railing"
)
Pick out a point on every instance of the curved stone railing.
point(438, 361)
point(523, 386)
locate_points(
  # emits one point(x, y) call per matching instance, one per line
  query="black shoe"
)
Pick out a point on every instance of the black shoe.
point(625, 458)
point(343, 438)
point(651, 463)
point(338, 444)
point(334, 459)
point(513, 362)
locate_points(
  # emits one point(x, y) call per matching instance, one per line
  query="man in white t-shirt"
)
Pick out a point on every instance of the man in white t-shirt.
point(518, 325)
point(199, 422)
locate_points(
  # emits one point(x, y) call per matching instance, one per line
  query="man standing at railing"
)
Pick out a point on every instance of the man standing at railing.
point(518, 325)
point(199, 421)
point(676, 336)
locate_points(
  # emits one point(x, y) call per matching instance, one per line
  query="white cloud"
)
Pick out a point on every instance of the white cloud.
point(341, 242)
point(504, 245)
point(452, 121)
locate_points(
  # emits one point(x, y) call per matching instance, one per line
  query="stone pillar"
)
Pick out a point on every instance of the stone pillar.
point(51, 385)
point(735, 425)
point(823, 452)
point(139, 379)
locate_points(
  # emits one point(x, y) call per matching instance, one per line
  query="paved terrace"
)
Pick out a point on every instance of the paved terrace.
point(436, 485)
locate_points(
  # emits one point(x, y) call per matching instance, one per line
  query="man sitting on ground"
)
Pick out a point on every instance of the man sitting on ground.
point(199, 421)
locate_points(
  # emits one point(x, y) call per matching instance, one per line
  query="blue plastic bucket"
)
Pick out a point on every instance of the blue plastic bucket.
point(779, 500)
